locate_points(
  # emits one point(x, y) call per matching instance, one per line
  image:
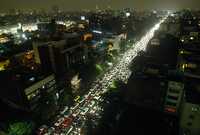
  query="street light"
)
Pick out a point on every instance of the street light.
point(128, 14)
point(155, 12)
point(182, 40)
point(57, 95)
point(83, 18)
point(24, 36)
point(191, 38)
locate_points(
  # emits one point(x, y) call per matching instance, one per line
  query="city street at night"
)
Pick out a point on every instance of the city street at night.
point(108, 67)
point(78, 113)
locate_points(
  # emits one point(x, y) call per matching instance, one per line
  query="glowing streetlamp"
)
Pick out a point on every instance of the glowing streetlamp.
point(128, 14)
point(83, 18)
point(182, 40)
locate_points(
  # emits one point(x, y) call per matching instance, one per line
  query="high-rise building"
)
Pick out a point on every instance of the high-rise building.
point(189, 118)
point(47, 86)
point(160, 47)
point(25, 91)
point(60, 56)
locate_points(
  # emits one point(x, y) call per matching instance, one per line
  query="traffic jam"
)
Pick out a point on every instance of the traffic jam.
point(71, 120)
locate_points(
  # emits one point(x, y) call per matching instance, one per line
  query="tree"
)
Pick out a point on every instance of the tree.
point(21, 128)
point(99, 68)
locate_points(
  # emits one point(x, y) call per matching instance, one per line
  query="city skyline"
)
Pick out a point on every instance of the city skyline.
point(92, 4)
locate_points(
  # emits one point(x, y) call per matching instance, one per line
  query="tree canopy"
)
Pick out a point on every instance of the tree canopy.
point(20, 128)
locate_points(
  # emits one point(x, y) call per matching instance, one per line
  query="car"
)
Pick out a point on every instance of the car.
point(92, 111)
point(92, 103)
point(58, 122)
point(89, 98)
point(67, 122)
point(101, 99)
point(97, 97)
point(84, 111)
point(42, 130)
point(65, 110)
point(76, 113)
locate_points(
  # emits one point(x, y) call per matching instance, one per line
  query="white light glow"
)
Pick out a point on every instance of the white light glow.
point(128, 14)
point(82, 17)
point(24, 36)
point(96, 31)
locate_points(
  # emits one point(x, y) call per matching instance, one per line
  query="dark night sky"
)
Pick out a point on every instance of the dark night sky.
point(91, 4)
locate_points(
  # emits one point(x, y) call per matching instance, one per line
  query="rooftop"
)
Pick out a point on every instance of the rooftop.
point(145, 91)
